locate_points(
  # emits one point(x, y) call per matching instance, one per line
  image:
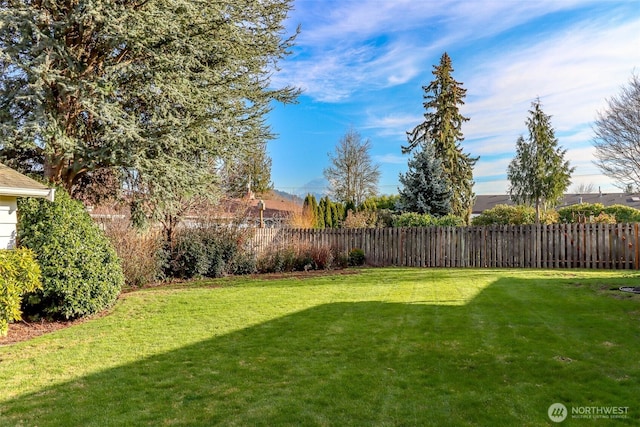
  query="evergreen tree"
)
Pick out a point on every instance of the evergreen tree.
point(443, 126)
point(538, 174)
point(349, 206)
point(328, 219)
point(320, 214)
point(246, 170)
point(162, 90)
point(425, 189)
point(310, 209)
point(335, 216)
point(341, 213)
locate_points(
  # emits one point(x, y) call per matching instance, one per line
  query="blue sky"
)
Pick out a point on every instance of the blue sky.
point(362, 64)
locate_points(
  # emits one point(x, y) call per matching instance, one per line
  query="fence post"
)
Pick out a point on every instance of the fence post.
point(636, 263)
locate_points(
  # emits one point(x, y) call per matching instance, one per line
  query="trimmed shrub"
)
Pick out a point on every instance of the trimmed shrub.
point(413, 219)
point(81, 273)
point(449, 221)
point(506, 214)
point(19, 274)
point(622, 213)
point(598, 213)
point(513, 215)
point(210, 250)
point(581, 212)
point(244, 263)
point(356, 257)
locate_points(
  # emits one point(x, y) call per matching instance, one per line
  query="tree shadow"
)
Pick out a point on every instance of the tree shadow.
point(502, 359)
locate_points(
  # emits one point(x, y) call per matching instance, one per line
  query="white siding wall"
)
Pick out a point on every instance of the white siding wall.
point(8, 220)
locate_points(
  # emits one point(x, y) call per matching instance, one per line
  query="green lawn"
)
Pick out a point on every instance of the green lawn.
point(379, 347)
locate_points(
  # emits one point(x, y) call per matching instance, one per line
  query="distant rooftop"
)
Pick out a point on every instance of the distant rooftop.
point(484, 202)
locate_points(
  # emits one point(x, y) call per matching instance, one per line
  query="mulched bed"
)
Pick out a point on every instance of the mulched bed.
point(23, 331)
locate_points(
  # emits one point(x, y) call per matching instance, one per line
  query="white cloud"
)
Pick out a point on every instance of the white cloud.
point(366, 53)
point(392, 124)
point(498, 186)
point(572, 73)
point(491, 168)
point(341, 52)
point(394, 159)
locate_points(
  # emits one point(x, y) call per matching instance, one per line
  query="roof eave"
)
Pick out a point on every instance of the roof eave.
point(45, 193)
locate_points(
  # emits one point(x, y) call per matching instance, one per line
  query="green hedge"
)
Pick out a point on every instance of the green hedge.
point(413, 219)
point(210, 251)
point(514, 215)
point(19, 274)
point(623, 214)
point(580, 212)
point(595, 212)
point(81, 273)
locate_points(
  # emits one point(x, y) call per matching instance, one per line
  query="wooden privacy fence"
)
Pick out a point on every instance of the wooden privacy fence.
point(604, 246)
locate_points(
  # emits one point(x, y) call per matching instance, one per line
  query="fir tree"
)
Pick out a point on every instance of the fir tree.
point(424, 187)
point(246, 170)
point(538, 174)
point(443, 126)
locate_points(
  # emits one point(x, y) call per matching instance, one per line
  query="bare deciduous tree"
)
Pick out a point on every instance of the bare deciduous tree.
point(617, 136)
point(584, 188)
point(352, 174)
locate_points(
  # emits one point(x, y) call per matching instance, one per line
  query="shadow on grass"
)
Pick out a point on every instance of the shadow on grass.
point(502, 359)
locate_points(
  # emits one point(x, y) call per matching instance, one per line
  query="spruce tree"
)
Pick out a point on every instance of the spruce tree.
point(424, 186)
point(538, 174)
point(443, 126)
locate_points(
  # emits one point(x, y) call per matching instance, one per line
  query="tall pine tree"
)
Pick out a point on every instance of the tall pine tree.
point(443, 127)
point(424, 186)
point(538, 174)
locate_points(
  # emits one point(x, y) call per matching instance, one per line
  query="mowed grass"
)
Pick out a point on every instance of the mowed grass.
point(379, 347)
